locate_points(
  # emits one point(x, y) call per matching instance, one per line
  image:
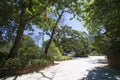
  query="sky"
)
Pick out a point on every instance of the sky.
point(75, 24)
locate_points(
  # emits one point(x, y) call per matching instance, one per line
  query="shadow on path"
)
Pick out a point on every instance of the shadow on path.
point(102, 73)
point(50, 78)
point(15, 78)
point(101, 61)
point(45, 76)
point(98, 61)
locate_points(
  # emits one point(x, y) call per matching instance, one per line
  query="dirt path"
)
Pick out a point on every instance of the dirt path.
point(91, 68)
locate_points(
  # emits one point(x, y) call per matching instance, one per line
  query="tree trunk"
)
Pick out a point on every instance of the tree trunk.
point(14, 50)
point(52, 35)
point(49, 42)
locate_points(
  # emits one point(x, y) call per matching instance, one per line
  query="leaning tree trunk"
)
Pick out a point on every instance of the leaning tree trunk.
point(49, 42)
point(53, 33)
point(14, 50)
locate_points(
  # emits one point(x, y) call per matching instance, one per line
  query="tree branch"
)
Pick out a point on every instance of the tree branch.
point(53, 33)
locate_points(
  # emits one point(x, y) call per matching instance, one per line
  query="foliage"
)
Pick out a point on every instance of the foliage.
point(53, 50)
point(102, 19)
point(72, 40)
point(101, 44)
point(61, 58)
point(39, 62)
point(3, 54)
point(54, 53)
point(28, 48)
point(12, 63)
point(19, 15)
point(95, 53)
point(103, 15)
point(24, 14)
point(23, 62)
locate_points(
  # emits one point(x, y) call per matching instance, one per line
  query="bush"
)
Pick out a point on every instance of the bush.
point(38, 62)
point(48, 58)
point(13, 63)
point(2, 63)
point(95, 53)
point(3, 54)
point(28, 48)
point(65, 58)
point(57, 58)
point(61, 58)
point(53, 50)
point(23, 62)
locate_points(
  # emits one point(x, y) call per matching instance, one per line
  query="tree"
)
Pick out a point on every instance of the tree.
point(61, 33)
point(67, 40)
point(52, 34)
point(99, 15)
point(5, 8)
point(104, 14)
point(28, 48)
point(7, 26)
point(60, 8)
point(29, 11)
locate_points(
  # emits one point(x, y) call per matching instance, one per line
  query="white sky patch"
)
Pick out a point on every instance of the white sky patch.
point(74, 23)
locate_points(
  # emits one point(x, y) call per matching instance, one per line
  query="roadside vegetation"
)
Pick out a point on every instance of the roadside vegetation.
point(102, 20)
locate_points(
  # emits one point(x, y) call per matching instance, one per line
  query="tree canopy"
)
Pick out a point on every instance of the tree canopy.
point(103, 15)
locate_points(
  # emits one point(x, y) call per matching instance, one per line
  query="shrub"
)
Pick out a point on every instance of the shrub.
point(53, 50)
point(28, 48)
point(65, 57)
point(23, 62)
point(3, 54)
point(95, 53)
point(48, 58)
point(61, 58)
point(13, 63)
point(57, 58)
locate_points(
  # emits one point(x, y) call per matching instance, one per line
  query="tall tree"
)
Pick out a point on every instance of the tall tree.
point(53, 33)
point(103, 16)
point(69, 6)
point(28, 12)
point(31, 12)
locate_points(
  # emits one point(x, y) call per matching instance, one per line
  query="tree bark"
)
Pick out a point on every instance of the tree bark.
point(14, 50)
point(52, 35)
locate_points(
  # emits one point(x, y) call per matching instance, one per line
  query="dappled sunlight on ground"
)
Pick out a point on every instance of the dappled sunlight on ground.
point(102, 73)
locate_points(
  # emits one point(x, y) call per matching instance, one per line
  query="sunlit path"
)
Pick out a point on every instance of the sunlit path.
point(91, 68)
